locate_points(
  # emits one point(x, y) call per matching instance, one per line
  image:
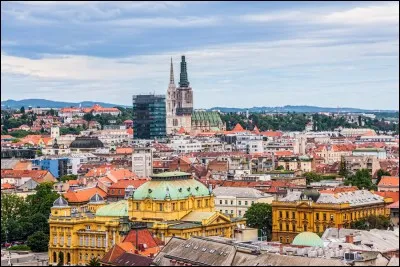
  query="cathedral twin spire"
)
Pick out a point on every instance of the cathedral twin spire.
point(183, 75)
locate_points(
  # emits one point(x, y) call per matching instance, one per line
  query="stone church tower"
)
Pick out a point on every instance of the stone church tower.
point(179, 101)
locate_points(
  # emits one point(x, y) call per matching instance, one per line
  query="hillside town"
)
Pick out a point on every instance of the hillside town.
point(166, 185)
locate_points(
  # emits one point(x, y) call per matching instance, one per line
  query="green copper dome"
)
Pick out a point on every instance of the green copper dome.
point(308, 239)
point(173, 185)
point(116, 209)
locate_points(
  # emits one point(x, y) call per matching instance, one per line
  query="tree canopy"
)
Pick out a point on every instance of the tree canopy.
point(259, 216)
point(38, 242)
point(362, 179)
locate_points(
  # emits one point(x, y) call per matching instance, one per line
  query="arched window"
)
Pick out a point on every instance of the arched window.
point(54, 257)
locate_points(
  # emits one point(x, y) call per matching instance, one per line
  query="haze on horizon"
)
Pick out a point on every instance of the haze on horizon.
point(325, 54)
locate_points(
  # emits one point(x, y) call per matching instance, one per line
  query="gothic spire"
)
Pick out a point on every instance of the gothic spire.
point(171, 75)
point(184, 82)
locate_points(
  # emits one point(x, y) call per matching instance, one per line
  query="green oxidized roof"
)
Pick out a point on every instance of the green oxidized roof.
point(172, 184)
point(116, 209)
point(211, 116)
point(308, 239)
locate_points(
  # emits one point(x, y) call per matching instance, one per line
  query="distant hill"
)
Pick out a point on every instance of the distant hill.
point(306, 109)
point(43, 103)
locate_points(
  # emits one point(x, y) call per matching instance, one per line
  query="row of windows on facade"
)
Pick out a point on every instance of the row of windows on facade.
point(226, 212)
point(174, 205)
point(318, 229)
point(101, 242)
point(246, 203)
point(356, 214)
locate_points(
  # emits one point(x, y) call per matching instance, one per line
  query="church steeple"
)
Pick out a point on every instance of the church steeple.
point(184, 82)
point(171, 74)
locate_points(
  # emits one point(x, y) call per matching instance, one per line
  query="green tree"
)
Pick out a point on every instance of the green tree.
point(312, 177)
point(343, 171)
point(94, 262)
point(38, 242)
point(43, 199)
point(22, 110)
point(371, 222)
point(88, 116)
point(361, 179)
point(381, 173)
point(65, 178)
point(279, 168)
point(259, 216)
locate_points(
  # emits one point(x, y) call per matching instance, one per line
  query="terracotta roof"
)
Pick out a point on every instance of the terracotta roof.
point(83, 195)
point(272, 134)
point(129, 131)
point(7, 186)
point(256, 130)
point(238, 128)
point(123, 150)
point(181, 130)
point(394, 205)
point(73, 182)
point(38, 175)
point(393, 195)
point(112, 254)
point(283, 153)
point(389, 181)
point(339, 190)
point(216, 165)
point(144, 237)
point(122, 184)
point(23, 165)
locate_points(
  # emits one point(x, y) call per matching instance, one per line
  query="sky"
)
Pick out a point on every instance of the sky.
point(239, 54)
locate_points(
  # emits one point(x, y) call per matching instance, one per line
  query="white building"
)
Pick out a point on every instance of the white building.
point(235, 201)
point(114, 136)
point(251, 141)
point(377, 138)
point(380, 153)
point(142, 161)
point(187, 145)
point(352, 132)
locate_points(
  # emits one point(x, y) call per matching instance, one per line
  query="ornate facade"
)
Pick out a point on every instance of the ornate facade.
point(179, 101)
point(172, 204)
point(311, 211)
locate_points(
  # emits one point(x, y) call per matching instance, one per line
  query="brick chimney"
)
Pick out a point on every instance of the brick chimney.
point(350, 238)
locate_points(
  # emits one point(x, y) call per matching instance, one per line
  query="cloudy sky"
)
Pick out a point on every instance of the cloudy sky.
point(239, 54)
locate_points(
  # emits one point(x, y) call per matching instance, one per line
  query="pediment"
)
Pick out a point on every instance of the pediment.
point(302, 205)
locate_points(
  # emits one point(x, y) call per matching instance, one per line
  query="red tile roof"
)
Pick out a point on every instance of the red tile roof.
point(272, 134)
point(7, 186)
point(339, 190)
point(37, 175)
point(181, 130)
point(389, 181)
point(144, 237)
point(124, 150)
point(394, 205)
point(393, 195)
point(122, 184)
point(83, 195)
point(238, 128)
point(283, 153)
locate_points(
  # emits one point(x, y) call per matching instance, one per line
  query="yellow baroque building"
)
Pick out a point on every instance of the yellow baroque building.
point(172, 204)
point(312, 211)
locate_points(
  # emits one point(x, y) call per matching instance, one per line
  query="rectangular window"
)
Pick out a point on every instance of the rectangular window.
point(226, 211)
point(240, 213)
point(231, 202)
point(81, 241)
point(294, 215)
point(55, 240)
point(207, 202)
point(305, 216)
point(287, 227)
point(93, 242)
point(293, 228)
point(199, 203)
point(231, 211)
point(86, 241)
point(61, 241)
point(324, 216)
point(182, 206)
point(161, 207)
point(173, 206)
point(246, 203)
point(280, 214)
point(240, 202)
point(69, 241)
point(226, 202)
point(220, 202)
point(317, 216)
point(137, 206)
point(280, 227)
point(287, 215)
point(305, 228)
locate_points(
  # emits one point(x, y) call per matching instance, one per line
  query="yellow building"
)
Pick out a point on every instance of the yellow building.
point(312, 211)
point(173, 204)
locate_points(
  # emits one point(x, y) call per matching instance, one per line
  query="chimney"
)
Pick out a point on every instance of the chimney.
point(350, 238)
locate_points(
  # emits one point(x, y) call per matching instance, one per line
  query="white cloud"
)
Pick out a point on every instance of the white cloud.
point(387, 13)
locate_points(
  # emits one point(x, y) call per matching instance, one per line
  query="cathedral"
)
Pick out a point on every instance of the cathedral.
point(179, 101)
point(179, 106)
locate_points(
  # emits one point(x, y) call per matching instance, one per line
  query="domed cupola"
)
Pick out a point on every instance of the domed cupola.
point(60, 202)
